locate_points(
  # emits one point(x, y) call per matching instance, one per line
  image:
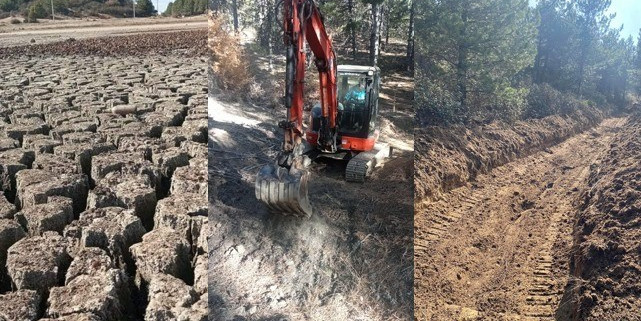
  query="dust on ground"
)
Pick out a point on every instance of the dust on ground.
point(352, 260)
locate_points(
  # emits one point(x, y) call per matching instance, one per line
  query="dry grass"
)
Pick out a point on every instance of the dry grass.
point(230, 62)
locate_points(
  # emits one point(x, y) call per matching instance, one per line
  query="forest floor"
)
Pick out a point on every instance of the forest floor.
point(352, 260)
point(503, 245)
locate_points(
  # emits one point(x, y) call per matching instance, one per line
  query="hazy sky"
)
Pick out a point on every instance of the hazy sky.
point(628, 14)
point(162, 4)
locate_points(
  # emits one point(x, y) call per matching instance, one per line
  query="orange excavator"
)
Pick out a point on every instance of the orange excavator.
point(341, 126)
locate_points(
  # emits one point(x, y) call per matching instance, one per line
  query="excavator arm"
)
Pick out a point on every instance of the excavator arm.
point(283, 186)
point(304, 22)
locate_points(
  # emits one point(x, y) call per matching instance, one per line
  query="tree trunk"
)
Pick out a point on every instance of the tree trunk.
point(410, 39)
point(234, 9)
point(270, 29)
point(461, 67)
point(263, 28)
point(538, 60)
point(582, 59)
point(379, 33)
point(387, 27)
point(374, 35)
point(352, 29)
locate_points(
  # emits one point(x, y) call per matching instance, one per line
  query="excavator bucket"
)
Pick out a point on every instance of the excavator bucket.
point(284, 191)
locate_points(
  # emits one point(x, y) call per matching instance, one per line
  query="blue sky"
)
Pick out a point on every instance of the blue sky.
point(628, 14)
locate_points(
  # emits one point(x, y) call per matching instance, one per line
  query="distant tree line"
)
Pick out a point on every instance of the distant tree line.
point(358, 27)
point(38, 9)
point(479, 61)
point(184, 8)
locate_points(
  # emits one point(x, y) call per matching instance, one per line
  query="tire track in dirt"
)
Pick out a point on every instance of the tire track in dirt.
point(499, 246)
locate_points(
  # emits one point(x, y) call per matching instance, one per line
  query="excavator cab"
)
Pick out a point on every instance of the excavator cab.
point(358, 88)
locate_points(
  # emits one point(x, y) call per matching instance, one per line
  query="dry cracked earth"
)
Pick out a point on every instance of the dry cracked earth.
point(103, 176)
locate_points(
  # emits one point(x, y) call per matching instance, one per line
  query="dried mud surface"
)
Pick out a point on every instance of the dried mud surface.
point(499, 246)
point(103, 179)
point(352, 260)
point(193, 43)
point(607, 245)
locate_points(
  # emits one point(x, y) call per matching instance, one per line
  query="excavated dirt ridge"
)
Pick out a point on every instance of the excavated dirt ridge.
point(607, 241)
point(448, 157)
point(499, 246)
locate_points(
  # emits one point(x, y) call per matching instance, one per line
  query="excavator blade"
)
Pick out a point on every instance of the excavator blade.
point(284, 191)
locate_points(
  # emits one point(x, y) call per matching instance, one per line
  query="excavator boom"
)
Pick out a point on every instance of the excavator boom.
point(283, 186)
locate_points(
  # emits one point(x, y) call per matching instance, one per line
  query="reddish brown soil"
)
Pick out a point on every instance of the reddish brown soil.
point(607, 260)
point(448, 157)
point(497, 245)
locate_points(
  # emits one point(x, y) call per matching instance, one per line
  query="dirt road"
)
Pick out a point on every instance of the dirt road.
point(499, 247)
point(51, 31)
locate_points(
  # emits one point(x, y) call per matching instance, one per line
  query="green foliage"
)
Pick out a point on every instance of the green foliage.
point(169, 9)
point(10, 5)
point(36, 11)
point(472, 52)
point(543, 100)
point(476, 62)
point(76, 8)
point(184, 8)
point(145, 8)
point(637, 55)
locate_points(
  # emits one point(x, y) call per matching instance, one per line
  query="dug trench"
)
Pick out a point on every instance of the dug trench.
point(500, 227)
point(606, 261)
point(103, 179)
point(352, 260)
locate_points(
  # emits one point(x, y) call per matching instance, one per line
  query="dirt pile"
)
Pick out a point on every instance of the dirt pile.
point(447, 158)
point(607, 244)
point(191, 43)
point(101, 212)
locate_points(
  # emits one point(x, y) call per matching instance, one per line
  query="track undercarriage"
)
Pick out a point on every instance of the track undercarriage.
point(285, 190)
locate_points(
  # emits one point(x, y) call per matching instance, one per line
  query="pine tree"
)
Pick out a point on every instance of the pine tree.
point(375, 30)
point(475, 49)
point(637, 58)
point(145, 8)
point(593, 23)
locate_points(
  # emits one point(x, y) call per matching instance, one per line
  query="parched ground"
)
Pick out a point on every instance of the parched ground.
point(48, 31)
point(103, 183)
point(352, 260)
point(501, 245)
